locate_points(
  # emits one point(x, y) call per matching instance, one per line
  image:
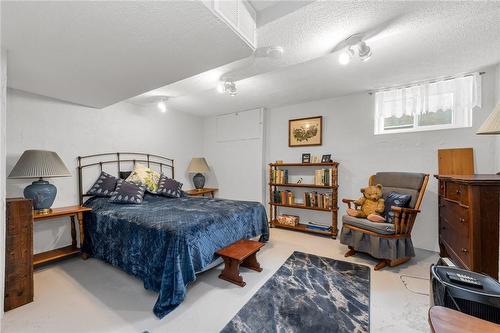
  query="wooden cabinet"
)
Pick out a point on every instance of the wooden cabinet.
point(18, 253)
point(469, 221)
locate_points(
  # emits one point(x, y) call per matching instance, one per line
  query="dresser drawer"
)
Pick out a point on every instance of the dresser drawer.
point(456, 215)
point(457, 192)
point(457, 242)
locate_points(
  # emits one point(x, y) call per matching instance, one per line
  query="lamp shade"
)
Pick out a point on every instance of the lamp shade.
point(39, 164)
point(492, 123)
point(198, 165)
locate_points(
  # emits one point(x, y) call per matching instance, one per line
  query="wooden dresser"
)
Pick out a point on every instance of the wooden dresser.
point(18, 253)
point(469, 221)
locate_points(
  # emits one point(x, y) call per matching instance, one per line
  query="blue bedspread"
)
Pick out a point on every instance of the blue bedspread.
point(164, 241)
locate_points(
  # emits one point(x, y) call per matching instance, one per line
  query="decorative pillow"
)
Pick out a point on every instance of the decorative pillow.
point(127, 192)
point(169, 187)
point(145, 176)
point(395, 199)
point(104, 185)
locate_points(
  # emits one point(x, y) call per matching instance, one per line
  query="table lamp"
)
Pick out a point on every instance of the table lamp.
point(198, 166)
point(40, 164)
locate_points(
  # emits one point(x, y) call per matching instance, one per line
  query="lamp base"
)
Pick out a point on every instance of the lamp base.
point(199, 181)
point(42, 195)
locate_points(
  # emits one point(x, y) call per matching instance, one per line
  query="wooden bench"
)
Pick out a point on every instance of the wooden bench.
point(242, 252)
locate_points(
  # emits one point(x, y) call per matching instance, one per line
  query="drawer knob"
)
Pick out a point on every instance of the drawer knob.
point(464, 250)
point(458, 192)
point(462, 220)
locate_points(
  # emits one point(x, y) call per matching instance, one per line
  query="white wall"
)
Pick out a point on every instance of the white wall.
point(348, 124)
point(41, 123)
point(3, 92)
point(233, 147)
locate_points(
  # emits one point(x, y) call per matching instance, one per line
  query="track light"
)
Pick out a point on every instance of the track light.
point(355, 41)
point(228, 87)
point(364, 51)
point(345, 56)
point(162, 104)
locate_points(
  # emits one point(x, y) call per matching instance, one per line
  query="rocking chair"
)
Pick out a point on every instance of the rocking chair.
point(389, 242)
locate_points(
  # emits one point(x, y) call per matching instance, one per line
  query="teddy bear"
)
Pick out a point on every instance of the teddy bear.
point(371, 204)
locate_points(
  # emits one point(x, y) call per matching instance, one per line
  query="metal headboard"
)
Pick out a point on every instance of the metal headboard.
point(119, 158)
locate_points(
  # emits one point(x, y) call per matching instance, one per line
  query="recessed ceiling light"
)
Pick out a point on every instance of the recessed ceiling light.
point(274, 52)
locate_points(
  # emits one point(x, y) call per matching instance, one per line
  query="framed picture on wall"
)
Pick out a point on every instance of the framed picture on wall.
point(305, 132)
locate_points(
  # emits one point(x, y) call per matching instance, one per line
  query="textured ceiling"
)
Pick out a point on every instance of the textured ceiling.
point(410, 41)
point(99, 53)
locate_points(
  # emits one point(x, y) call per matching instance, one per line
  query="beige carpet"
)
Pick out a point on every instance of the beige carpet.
point(91, 296)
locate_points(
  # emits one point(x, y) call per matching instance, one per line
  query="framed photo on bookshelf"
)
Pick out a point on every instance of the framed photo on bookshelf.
point(306, 158)
point(326, 158)
point(305, 131)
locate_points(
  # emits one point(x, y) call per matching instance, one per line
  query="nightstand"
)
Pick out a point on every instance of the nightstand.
point(66, 251)
point(201, 192)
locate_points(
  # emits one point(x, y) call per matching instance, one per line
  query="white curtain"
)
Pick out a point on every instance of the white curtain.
point(457, 93)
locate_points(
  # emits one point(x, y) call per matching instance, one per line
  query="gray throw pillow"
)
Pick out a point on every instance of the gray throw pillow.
point(127, 192)
point(169, 187)
point(104, 185)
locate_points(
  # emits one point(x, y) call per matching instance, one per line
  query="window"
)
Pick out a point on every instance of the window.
point(428, 106)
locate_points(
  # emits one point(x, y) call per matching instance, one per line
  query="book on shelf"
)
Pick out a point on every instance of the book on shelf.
point(318, 200)
point(284, 197)
point(316, 226)
point(279, 176)
point(324, 177)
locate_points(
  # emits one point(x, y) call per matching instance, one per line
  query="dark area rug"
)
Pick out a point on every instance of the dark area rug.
point(309, 293)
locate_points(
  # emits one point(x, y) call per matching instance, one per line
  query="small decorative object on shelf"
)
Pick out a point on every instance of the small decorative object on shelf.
point(326, 158)
point(291, 220)
point(306, 158)
point(315, 159)
point(323, 198)
point(279, 161)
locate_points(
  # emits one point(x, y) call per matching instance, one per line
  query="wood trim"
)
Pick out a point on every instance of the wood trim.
point(304, 164)
point(307, 118)
point(303, 185)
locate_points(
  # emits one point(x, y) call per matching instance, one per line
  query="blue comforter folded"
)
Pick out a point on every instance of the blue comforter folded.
point(165, 241)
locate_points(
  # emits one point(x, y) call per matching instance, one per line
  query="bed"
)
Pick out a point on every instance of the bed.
point(165, 241)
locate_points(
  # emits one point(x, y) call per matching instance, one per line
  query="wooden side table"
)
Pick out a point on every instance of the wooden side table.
point(444, 320)
point(66, 251)
point(201, 192)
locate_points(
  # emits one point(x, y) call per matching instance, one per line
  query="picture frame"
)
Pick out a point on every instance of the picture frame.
point(306, 158)
point(326, 158)
point(304, 132)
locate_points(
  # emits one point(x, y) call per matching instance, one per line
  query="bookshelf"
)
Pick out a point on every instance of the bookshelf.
point(324, 187)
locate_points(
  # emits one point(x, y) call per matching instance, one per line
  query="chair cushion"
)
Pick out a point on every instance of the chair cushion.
point(381, 228)
point(400, 182)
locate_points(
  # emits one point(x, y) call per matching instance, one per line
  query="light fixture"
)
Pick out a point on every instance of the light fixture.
point(227, 86)
point(354, 42)
point(274, 52)
point(345, 56)
point(364, 51)
point(162, 104)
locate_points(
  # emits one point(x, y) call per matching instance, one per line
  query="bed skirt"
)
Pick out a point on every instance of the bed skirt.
point(378, 247)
